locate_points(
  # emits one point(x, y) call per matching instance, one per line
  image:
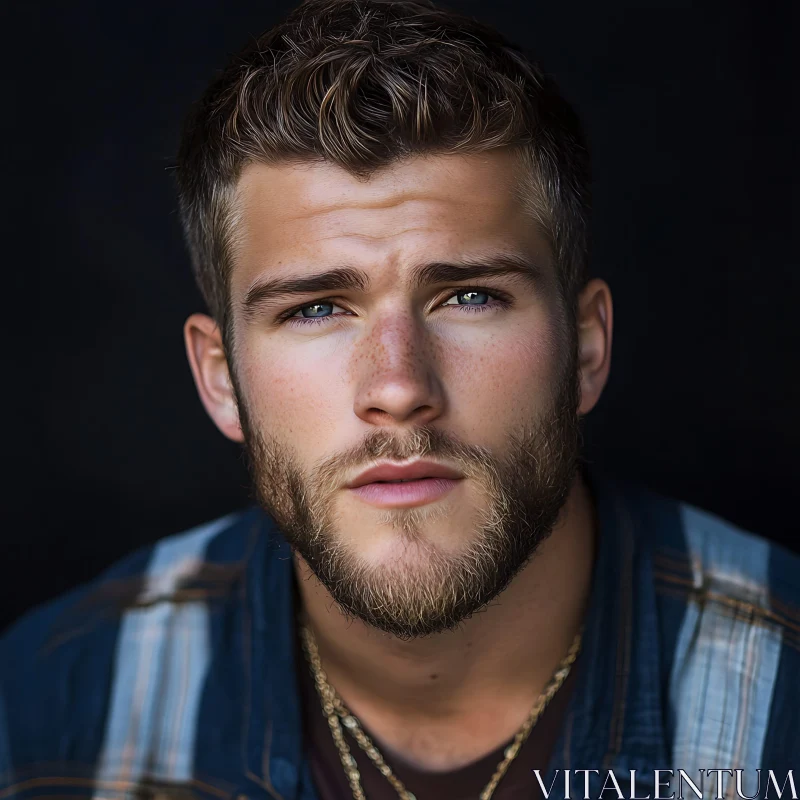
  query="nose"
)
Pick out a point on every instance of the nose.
point(396, 374)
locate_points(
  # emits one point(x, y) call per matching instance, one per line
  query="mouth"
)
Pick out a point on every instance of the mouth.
point(392, 484)
point(405, 493)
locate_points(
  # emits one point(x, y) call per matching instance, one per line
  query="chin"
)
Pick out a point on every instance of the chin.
point(399, 554)
point(410, 535)
point(410, 589)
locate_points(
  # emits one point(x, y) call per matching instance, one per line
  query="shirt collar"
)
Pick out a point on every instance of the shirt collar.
point(273, 745)
point(614, 719)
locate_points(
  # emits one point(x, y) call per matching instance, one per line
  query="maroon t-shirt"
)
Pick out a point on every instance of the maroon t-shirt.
point(466, 783)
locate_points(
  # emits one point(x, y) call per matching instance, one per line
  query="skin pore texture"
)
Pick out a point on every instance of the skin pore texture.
point(439, 625)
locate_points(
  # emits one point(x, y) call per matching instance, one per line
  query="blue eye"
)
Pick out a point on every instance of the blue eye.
point(472, 293)
point(317, 306)
point(315, 318)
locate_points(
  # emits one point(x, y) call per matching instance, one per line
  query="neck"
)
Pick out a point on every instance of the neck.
point(489, 670)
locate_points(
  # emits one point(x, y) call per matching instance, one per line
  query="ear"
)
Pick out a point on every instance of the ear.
point(595, 326)
point(209, 364)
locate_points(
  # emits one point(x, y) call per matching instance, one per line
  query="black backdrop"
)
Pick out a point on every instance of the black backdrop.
point(691, 109)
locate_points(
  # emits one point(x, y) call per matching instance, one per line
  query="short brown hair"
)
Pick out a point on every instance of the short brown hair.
point(363, 83)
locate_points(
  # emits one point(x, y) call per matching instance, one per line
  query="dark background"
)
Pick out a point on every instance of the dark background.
point(691, 111)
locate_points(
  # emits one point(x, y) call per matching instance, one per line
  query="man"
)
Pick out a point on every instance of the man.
point(387, 211)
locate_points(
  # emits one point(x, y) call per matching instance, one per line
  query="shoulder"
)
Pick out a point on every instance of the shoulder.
point(58, 662)
point(719, 565)
point(729, 602)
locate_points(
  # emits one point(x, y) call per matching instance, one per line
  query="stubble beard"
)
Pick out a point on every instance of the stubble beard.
point(426, 590)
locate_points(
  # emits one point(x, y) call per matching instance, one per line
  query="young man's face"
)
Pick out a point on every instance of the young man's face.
point(473, 374)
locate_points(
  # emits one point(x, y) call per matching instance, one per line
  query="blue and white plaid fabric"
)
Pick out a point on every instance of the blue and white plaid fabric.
point(173, 673)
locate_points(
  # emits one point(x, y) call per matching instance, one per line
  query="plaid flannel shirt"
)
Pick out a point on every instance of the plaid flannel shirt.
point(173, 672)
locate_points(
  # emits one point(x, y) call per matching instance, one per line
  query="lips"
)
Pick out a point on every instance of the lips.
point(387, 471)
point(407, 494)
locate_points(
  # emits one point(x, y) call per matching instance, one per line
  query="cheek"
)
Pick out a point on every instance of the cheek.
point(290, 393)
point(510, 376)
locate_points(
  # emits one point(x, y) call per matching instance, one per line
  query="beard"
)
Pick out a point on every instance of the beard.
point(426, 590)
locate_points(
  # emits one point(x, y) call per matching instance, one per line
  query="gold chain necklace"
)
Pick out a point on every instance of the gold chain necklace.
point(338, 716)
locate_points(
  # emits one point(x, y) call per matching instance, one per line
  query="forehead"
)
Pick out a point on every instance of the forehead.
point(308, 215)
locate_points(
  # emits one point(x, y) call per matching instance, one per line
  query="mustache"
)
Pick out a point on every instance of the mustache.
point(422, 442)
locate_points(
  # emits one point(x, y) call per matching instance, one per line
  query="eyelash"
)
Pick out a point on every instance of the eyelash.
point(501, 301)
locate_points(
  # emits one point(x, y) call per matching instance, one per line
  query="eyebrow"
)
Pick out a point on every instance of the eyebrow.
point(346, 278)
